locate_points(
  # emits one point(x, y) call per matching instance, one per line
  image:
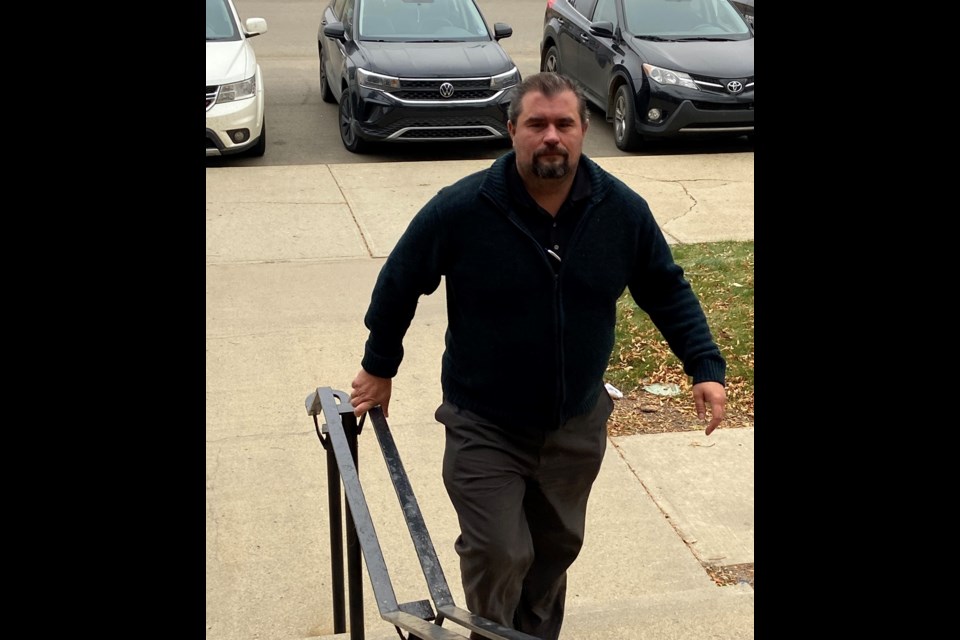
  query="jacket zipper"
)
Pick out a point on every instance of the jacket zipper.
point(558, 324)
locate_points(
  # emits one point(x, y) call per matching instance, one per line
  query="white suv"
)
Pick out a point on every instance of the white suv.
point(235, 121)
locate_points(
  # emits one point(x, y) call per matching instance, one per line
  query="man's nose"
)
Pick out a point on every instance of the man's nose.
point(551, 134)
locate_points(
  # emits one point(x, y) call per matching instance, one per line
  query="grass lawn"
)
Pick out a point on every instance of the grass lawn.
point(721, 274)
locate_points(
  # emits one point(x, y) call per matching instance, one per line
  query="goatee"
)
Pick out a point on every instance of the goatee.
point(553, 170)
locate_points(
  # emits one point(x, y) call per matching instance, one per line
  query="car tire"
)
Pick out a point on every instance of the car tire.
point(325, 93)
point(351, 141)
point(625, 133)
point(260, 147)
point(551, 61)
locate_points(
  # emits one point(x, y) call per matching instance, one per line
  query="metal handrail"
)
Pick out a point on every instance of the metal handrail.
point(340, 443)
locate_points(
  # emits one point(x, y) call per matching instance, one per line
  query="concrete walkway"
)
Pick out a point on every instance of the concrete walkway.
point(292, 255)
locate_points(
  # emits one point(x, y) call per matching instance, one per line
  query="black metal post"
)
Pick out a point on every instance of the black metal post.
point(354, 551)
point(336, 543)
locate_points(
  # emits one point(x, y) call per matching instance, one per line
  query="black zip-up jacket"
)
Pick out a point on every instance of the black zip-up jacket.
point(526, 347)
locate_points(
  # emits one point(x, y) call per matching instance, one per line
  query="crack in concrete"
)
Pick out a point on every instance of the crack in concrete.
point(353, 216)
point(254, 334)
point(232, 263)
point(686, 191)
point(670, 520)
point(211, 511)
point(252, 436)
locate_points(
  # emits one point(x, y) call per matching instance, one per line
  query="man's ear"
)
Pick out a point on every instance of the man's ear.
point(510, 129)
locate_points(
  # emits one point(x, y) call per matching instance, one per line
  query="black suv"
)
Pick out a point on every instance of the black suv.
point(414, 70)
point(656, 68)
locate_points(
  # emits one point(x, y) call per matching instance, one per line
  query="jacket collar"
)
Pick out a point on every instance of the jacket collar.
point(496, 188)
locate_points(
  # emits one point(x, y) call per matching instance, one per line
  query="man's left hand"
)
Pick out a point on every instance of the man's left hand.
point(715, 395)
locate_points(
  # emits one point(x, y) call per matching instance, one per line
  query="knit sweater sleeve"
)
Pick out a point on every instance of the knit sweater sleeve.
point(412, 269)
point(659, 288)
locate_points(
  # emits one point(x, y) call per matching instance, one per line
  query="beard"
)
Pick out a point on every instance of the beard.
point(553, 169)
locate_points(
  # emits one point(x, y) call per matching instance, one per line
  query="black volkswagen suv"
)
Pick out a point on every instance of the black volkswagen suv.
point(414, 70)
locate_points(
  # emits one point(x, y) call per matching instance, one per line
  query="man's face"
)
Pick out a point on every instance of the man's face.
point(549, 134)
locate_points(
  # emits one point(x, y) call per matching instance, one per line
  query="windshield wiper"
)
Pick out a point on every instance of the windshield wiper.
point(655, 38)
point(703, 39)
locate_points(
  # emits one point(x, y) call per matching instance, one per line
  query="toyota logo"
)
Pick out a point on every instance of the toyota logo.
point(446, 90)
point(734, 86)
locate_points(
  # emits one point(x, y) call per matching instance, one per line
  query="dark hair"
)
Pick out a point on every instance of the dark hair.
point(549, 84)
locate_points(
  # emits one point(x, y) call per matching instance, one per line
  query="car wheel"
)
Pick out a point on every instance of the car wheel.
point(624, 123)
point(551, 61)
point(351, 140)
point(325, 93)
point(258, 149)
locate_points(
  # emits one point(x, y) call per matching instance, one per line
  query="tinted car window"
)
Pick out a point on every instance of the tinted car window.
point(346, 14)
point(606, 11)
point(400, 20)
point(583, 7)
point(683, 17)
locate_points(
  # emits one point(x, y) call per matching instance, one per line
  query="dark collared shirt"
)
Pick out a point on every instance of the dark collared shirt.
point(552, 232)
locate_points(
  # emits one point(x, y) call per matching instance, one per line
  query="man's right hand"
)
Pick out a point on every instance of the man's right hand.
point(369, 391)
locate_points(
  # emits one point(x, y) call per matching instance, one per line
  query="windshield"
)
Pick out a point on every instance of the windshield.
point(683, 19)
point(220, 22)
point(421, 20)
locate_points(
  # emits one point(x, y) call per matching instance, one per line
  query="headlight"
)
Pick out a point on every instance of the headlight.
point(376, 81)
point(665, 76)
point(238, 90)
point(505, 80)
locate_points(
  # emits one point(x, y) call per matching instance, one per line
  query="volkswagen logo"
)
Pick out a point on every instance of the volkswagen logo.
point(446, 90)
point(734, 86)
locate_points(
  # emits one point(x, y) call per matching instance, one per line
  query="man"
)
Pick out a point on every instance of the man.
point(536, 250)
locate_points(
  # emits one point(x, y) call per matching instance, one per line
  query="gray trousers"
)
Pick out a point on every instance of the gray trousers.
point(521, 503)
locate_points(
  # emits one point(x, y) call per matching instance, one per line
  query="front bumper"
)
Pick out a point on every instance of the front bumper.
point(231, 116)
point(686, 112)
point(382, 117)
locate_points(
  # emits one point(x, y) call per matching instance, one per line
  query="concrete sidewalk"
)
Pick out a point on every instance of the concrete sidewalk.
point(292, 255)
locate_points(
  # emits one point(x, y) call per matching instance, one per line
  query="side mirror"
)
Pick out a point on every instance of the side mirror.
point(255, 26)
point(502, 30)
point(335, 30)
point(602, 29)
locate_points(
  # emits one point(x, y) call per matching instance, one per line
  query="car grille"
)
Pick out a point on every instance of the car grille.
point(717, 106)
point(444, 128)
point(726, 126)
point(433, 133)
point(212, 96)
point(719, 85)
point(420, 90)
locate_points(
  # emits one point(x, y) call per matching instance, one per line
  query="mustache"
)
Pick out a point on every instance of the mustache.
point(539, 153)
